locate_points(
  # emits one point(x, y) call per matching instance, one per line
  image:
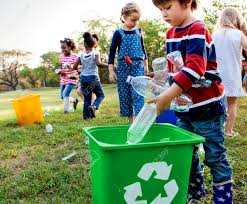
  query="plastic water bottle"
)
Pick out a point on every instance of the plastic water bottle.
point(142, 123)
point(57, 71)
point(146, 86)
point(161, 73)
point(159, 64)
point(176, 59)
point(202, 82)
point(67, 65)
point(150, 88)
point(49, 128)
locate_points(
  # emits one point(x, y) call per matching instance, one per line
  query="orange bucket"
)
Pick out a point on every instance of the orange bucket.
point(28, 109)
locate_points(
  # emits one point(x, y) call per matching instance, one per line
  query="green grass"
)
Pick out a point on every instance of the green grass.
point(31, 166)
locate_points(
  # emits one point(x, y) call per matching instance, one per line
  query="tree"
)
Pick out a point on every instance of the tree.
point(30, 75)
point(104, 28)
point(49, 62)
point(213, 12)
point(154, 38)
point(10, 62)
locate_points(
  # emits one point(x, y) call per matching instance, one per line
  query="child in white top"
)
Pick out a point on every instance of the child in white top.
point(229, 41)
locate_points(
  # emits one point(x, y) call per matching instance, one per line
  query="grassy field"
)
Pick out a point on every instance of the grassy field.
point(31, 166)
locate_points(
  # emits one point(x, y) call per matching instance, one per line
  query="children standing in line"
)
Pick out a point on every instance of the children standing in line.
point(229, 41)
point(89, 77)
point(67, 79)
point(131, 59)
point(207, 115)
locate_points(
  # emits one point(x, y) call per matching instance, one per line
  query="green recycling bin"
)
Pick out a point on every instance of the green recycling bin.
point(154, 171)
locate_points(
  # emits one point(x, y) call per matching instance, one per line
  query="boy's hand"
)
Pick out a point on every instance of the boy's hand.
point(150, 74)
point(161, 104)
point(163, 101)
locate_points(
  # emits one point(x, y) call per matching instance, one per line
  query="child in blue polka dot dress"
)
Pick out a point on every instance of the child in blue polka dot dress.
point(131, 60)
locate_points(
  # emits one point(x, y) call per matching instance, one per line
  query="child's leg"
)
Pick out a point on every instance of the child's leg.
point(98, 92)
point(196, 187)
point(93, 97)
point(124, 91)
point(215, 157)
point(66, 93)
point(131, 119)
point(87, 103)
point(62, 87)
point(79, 93)
point(137, 100)
point(232, 113)
point(87, 93)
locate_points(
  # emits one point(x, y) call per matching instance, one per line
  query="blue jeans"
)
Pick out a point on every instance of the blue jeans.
point(66, 90)
point(91, 84)
point(215, 158)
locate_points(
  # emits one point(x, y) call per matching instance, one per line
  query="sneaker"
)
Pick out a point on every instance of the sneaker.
point(91, 111)
point(75, 103)
point(233, 134)
point(193, 201)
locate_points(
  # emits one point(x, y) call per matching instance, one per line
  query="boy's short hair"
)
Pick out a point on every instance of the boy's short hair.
point(194, 4)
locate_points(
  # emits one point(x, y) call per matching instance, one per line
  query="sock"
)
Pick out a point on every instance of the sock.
point(71, 99)
point(66, 104)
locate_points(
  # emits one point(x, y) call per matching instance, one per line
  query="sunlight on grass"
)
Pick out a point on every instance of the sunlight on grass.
point(31, 166)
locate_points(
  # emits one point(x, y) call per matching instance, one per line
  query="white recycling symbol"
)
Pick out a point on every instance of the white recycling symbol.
point(162, 173)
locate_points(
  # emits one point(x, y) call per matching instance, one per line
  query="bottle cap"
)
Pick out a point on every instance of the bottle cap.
point(129, 78)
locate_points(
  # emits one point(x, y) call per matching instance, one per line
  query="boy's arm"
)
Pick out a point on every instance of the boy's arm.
point(77, 63)
point(196, 58)
point(163, 101)
point(99, 63)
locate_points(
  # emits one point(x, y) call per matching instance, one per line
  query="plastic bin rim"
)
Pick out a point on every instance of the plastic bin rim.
point(23, 97)
point(196, 140)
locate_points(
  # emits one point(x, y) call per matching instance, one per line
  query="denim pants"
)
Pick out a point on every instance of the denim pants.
point(65, 90)
point(215, 158)
point(91, 84)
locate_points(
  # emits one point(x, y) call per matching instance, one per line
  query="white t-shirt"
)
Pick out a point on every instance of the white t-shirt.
point(229, 57)
point(88, 62)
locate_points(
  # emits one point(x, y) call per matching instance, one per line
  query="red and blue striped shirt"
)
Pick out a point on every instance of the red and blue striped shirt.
point(196, 46)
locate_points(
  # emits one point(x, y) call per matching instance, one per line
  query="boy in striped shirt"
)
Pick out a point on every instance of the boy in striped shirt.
point(207, 115)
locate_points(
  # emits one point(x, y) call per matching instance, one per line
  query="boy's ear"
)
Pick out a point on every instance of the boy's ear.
point(187, 4)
